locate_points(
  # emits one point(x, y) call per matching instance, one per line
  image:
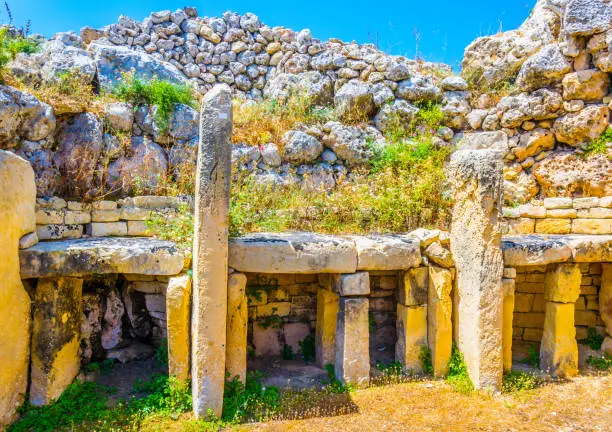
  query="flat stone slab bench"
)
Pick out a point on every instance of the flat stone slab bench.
point(532, 250)
point(300, 252)
point(103, 255)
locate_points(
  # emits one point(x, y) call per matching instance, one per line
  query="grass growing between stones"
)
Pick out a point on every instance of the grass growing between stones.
point(457, 375)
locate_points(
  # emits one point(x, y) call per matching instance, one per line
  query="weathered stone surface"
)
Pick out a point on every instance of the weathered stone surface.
point(592, 226)
point(590, 248)
point(178, 317)
point(387, 252)
point(292, 253)
point(439, 319)
point(210, 252)
point(586, 17)
point(534, 142)
point(507, 317)
point(439, 255)
point(112, 329)
point(237, 326)
point(588, 85)
point(300, 147)
point(325, 333)
point(411, 327)
point(585, 125)
point(59, 232)
point(543, 68)
point(354, 101)
point(476, 247)
point(413, 286)
point(559, 350)
point(17, 203)
point(553, 226)
point(352, 363)
point(562, 283)
point(56, 327)
point(102, 256)
point(497, 140)
point(605, 297)
point(534, 250)
point(354, 284)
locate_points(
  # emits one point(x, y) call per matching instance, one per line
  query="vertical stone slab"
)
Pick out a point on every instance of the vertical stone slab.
point(325, 333)
point(411, 328)
point(178, 316)
point(237, 326)
point(353, 341)
point(508, 315)
point(17, 202)
point(56, 336)
point(439, 319)
point(605, 304)
point(210, 252)
point(476, 248)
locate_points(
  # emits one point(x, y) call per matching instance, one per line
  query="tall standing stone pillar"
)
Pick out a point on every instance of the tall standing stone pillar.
point(476, 248)
point(559, 349)
point(178, 318)
point(17, 201)
point(507, 318)
point(237, 326)
point(605, 305)
point(325, 334)
point(411, 321)
point(440, 319)
point(210, 252)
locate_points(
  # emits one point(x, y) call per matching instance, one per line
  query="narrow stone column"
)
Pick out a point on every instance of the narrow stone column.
point(325, 334)
point(439, 319)
point(508, 316)
point(353, 341)
point(210, 252)
point(178, 316)
point(56, 337)
point(605, 305)
point(17, 201)
point(476, 248)
point(237, 326)
point(411, 324)
point(559, 349)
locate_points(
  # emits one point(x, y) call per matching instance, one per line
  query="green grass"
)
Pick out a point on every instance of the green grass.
point(457, 375)
point(599, 146)
point(251, 401)
point(516, 381)
point(391, 369)
point(11, 45)
point(162, 94)
point(602, 363)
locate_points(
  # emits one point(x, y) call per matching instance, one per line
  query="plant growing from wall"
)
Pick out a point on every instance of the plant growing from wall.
point(13, 42)
point(600, 145)
point(457, 375)
point(533, 357)
point(425, 359)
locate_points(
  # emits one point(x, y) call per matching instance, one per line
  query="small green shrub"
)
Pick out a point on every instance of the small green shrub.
point(165, 395)
point(307, 348)
point(600, 145)
point(176, 227)
point(12, 43)
point(426, 362)
point(516, 381)
point(335, 385)
point(593, 339)
point(391, 369)
point(161, 353)
point(251, 401)
point(162, 94)
point(602, 363)
point(457, 375)
point(533, 357)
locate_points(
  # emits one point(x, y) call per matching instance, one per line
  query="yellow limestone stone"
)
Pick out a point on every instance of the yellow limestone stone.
point(352, 363)
point(508, 314)
point(178, 316)
point(559, 350)
point(56, 338)
point(325, 334)
point(17, 204)
point(411, 336)
point(439, 319)
point(562, 283)
point(237, 325)
point(413, 287)
point(605, 297)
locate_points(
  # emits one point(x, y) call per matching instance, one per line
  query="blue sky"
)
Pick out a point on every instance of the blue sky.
point(445, 26)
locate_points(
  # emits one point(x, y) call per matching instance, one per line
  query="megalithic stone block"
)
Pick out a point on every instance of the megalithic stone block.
point(476, 247)
point(559, 349)
point(352, 364)
point(605, 297)
point(325, 334)
point(237, 326)
point(56, 336)
point(17, 202)
point(508, 316)
point(562, 283)
point(178, 316)
point(439, 319)
point(413, 286)
point(210, 252)
point(411, 327)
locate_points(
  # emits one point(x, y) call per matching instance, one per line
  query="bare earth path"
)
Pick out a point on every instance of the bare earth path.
point(583, 404)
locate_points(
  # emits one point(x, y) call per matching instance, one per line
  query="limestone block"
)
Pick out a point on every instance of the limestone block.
point(18, 216)
point(592, 226)
point(105, 215)
point(553, 226)
point(112, 330)
point(531, 211)
point(509, 273)
point(237, 324)
point(59, 232)
point(477, 249)
point(355, 284)
point(561, 213)
point(325, 333)
point(521, 226)
point(387, 252)
point(523, 251)
point(562, 283)
point(411, 327)
point(508, 315)
point(28, 240)
point(107, 229)
point(439, 319)
point(413, 287)
point(352, 364)
point(595, 213)
point(425, 236)
point(210, 252)
point(590, 248)
point(56, 327)
point(104, 205)
point(585, 203)
point(281, 309)
point(134, 214)
point(558, 203)
point(559, 350)
point(75, 217)
point(178, 314)
point(439, 255)
point(46, 216)
point(137, 228)
point(605, 297)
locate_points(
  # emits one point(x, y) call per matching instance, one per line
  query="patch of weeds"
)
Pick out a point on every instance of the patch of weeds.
point(307, 348)
point(516, 381)
point(161, 353)
point(426, 362)
point(271, 321)
point(593, 339)
point(602, 363)
point(287, 352)
point(335, 385)
point(533, 357)
point(163, 95)
point(176, 227)
point(391, 369)
point(251, 401)
point(600, 145)
point(13, 42)
point(103, 367)
point(457, 375)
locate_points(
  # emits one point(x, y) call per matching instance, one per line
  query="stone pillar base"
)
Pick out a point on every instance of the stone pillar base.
point(352, 364)
point(411, 336)
point(439, 319)
point(325, 334)
point(237, 325)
